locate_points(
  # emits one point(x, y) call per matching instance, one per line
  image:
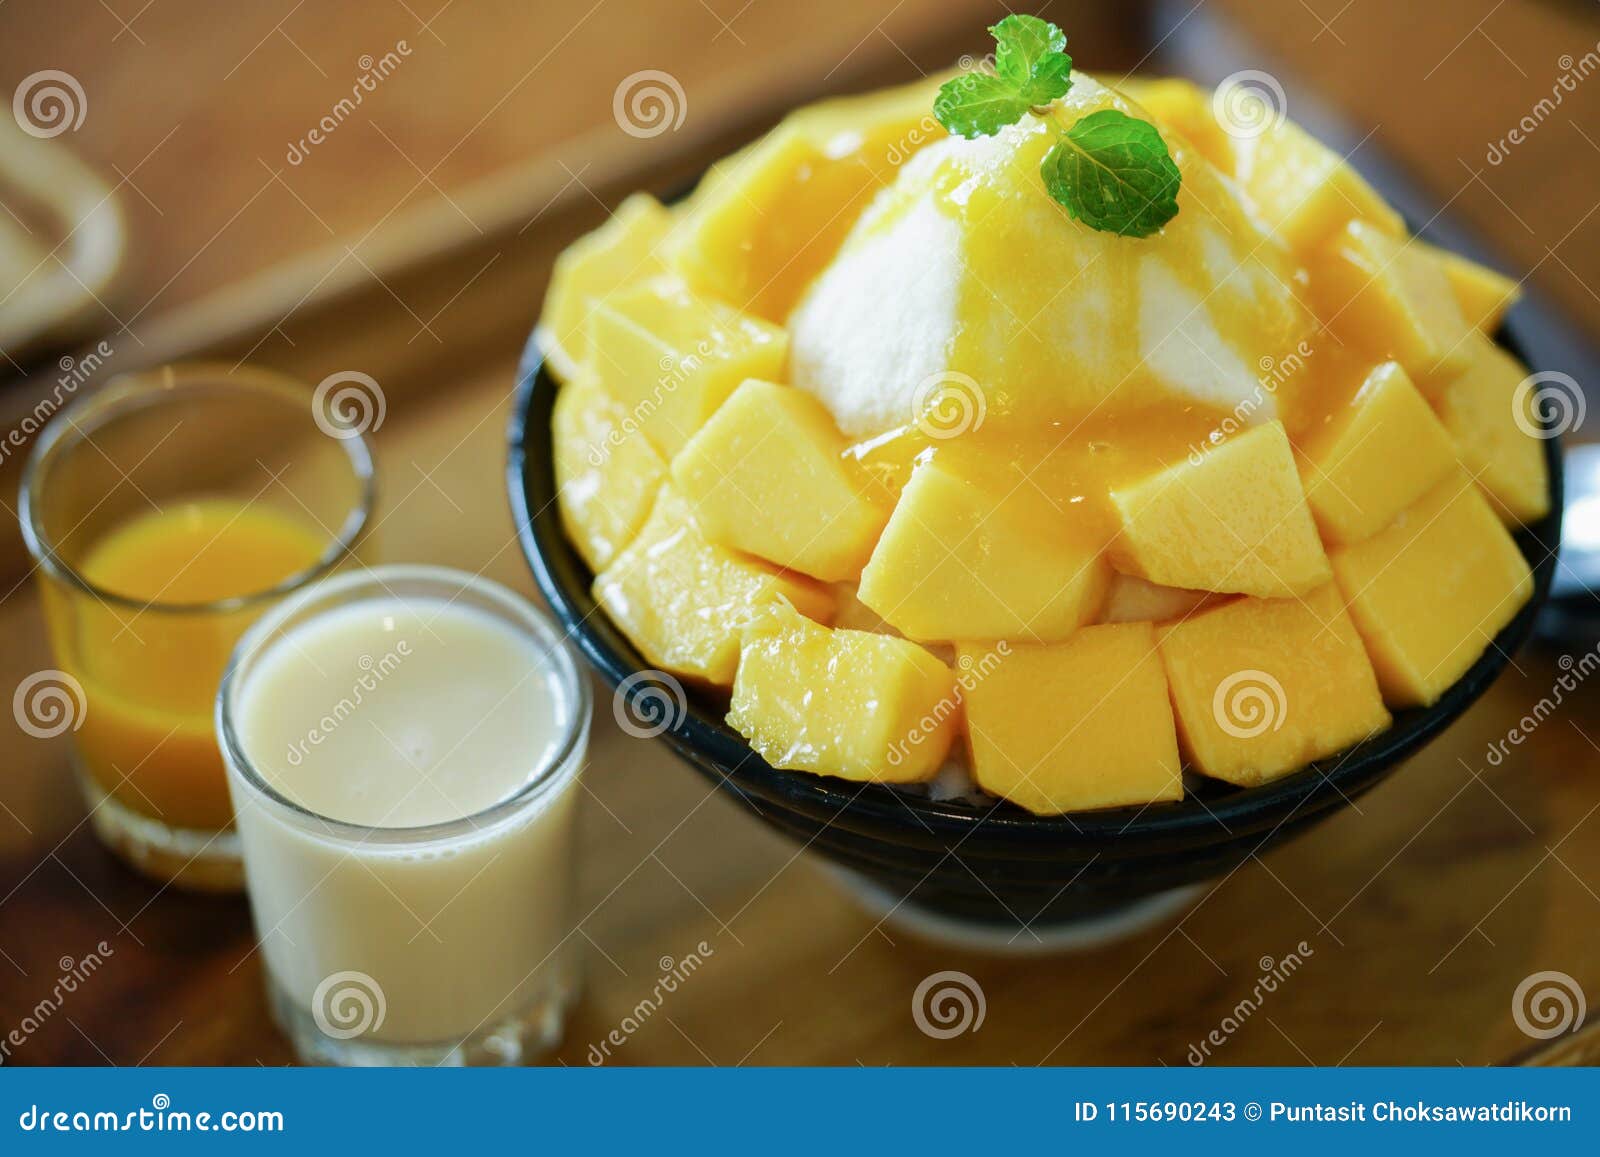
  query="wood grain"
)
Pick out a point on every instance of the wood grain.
point(194, 112)
point(1420, 911)
point(1569, 1049)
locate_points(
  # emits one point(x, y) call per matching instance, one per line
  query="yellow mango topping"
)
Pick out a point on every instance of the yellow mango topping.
point(1264, 686)
point(776, 213)
point(620, 253)
point(1073, 726)
point(1389, 298)
point(607, 474)
point(768, 475)
point(1430, 593)
point(962, 561)
point(671, 357)
point(1375, 457)
point(684, 602)
point(1181, 104)
point(1302, 191)
point(966, 271)
point(1235, 520)
point(1484, 294)
point(1480, 408)
point(860, 706)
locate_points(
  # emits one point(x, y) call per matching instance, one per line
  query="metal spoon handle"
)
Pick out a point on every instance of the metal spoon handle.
point(1577, 579)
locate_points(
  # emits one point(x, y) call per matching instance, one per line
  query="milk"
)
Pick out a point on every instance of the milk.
point(404, 770)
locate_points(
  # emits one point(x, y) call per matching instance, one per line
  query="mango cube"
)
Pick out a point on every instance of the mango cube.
point(685, 602)
point(1390, 299)
point(1483, 294)
point(1235, 520)
point(1185, 106)
point(778, 211)
point(607, 474)
point(1430, 592)
point(1302, 191)
point(1131, 599)
point(619, 253)
point(1264, 686)
point(870, 708)
point(1073, 726)
point(1479, 408)
point(959, 561)
point(1375, 457)
point(767, 475)
point(671, 358)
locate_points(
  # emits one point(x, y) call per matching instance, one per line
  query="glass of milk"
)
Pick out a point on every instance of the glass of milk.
point(403, 748)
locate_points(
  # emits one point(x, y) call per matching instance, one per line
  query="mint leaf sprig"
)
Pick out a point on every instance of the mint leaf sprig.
point(1109, 170)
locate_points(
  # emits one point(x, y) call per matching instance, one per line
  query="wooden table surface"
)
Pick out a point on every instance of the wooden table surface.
point(1421, 910)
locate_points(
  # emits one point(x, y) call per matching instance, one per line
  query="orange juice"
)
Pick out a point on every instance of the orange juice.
point(150, 673)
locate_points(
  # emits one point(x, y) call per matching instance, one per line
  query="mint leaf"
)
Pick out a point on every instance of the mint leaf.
point(1031, 54)
point(1113, 173)
point(1051, 79)
point(976, 104)
point(1031, 67)
point(1110, 171)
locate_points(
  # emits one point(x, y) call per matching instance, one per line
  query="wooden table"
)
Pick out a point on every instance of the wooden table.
point(1421, 911)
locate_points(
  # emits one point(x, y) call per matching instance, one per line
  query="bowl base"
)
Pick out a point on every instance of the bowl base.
point(1040, 938)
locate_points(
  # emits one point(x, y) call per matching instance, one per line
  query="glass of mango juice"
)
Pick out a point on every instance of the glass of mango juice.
point(164, 514)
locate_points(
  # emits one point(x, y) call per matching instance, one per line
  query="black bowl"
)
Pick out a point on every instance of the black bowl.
point(993, 865)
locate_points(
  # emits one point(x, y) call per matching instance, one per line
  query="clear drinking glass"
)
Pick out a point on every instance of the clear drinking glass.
point(447, 942)
point(138, 676)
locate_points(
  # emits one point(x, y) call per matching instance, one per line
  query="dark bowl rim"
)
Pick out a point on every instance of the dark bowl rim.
point(1000, 830)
